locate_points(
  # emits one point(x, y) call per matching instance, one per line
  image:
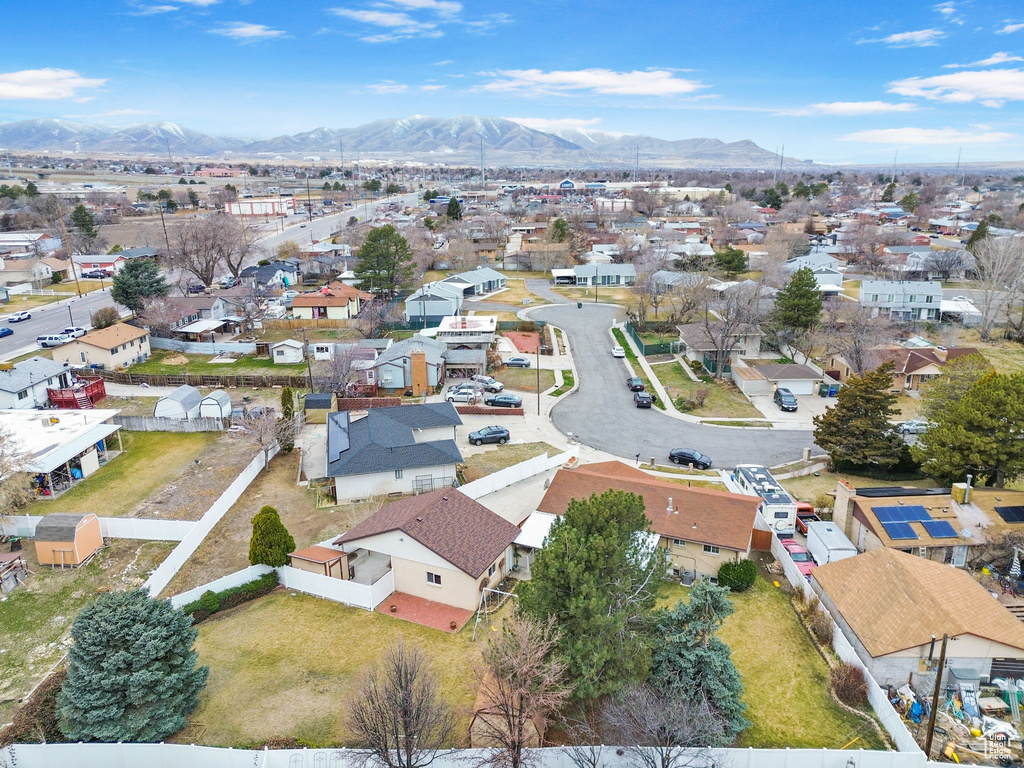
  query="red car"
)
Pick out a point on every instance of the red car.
point(800, 556)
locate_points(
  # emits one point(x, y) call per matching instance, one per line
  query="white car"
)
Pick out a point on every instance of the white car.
point(968, 299)
point(17, 317)
point(463, 396)
point(618, 351)
point(74, 333)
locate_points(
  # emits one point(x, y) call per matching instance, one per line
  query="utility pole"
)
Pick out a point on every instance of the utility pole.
point(305, 354)
point(894, 156)
point(67, 245)
point(935, 699)
point(956, 173)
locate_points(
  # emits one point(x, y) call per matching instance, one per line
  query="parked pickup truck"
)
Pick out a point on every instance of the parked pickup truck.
point(804, 515)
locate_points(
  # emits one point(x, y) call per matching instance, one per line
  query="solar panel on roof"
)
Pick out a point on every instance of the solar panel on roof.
point(939, 529)
point(899, 531)
point(915, 514)
point(1011, 514)
point(886, 514)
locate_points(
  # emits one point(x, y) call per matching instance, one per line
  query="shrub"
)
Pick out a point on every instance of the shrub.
point(36, 720)
point(209, 601)
point(849, 684)
point(683, 405)
point(229, 598)
point(527, 326)
point(700, 396)
point(821, 627)
point(738, 577)
point(696, 366)
point(270, 542)
point(105, 317)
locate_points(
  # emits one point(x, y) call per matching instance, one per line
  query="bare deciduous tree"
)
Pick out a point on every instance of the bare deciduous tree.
point(850, 330)
point(262, 428)
point(205, 245)
point(523, 684)
point(999, 266)
point(338, 373)
point(399, 714)
point(727, 313)
point(15, 487)
point(374, 316)
point(160, 314)
point(661, 731)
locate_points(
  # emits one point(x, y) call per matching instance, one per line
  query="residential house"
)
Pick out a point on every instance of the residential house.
point(288, 352)
point(442, 546)
point(763, 378)
point(416, 364)
point(60, 269)
point(477, 282)
point(903, 301)
point(104, 262)
point(24, 384)
point(336, 301)
point(715, 344)
point(433, 302)
point(26, 269)
point(34, 243)
point(911, 367)
point(276, 274)
point(117, 346)
point(892, 607)
point(401, 449)
point(201, 308)
point(698, 528)
point(610, 275)
point(952, 526)
point(471, 332)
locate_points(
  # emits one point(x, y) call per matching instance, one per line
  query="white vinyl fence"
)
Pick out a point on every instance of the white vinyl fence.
point(164, 424)
point(177, 755)
point(162, 576)
point(203, 347)
point(112, 528)
point(340, 591)
point(235, 579)
point(891, 720)
point(512, 475)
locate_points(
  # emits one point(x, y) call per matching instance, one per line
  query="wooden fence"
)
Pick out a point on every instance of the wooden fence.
point(286, 324)
point(256, 381)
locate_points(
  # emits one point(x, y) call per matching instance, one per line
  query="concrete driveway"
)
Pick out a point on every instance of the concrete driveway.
point(808, 407)
point(601, 414)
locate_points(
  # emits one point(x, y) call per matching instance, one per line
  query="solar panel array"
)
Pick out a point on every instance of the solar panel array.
point(899, 530)
point(903, 514)
point(939, 529)
point(1011, 514)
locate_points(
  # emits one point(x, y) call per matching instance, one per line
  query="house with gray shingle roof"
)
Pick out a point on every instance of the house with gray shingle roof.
point(415, 364)
point(401, 449)
point(24, 384)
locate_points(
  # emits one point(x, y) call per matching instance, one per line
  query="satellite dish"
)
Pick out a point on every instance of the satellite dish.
point(966, 533)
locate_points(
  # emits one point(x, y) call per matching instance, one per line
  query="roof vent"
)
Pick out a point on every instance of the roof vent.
point(419, 519)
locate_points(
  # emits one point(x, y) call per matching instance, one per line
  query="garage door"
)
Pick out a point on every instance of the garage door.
point(799, 387)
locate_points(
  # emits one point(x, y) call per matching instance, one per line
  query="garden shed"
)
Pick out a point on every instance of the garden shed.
point(316, 406)
point(287, 352)
point(66, 539)
point(216, 405)
point(182, 404)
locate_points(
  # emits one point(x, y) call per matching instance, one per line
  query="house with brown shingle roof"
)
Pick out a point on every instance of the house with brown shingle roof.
point(336, 301)
point(912, 367)
point(699, 528)
point(890, 605)
point(116, 346)
point(442, 546)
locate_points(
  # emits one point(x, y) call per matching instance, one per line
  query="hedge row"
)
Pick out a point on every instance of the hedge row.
point(211, 602)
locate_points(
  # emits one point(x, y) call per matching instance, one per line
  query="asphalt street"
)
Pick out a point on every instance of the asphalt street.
point(601, 413)
point(52, 318)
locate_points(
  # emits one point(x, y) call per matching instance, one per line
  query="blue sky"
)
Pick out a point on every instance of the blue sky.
point(832, 81)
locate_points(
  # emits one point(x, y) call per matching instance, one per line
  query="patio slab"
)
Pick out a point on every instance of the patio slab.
point(426, 613)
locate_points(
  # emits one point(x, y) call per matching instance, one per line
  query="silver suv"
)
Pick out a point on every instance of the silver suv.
point(489, 384)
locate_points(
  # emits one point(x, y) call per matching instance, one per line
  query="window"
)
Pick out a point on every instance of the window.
point(398, 474)
point(781, 515)
point(492, 569)
point(874, 297)
point(929, 299)
point(23, 394)
point(913, 298)
point(678, 543)
point(113, 351)
point(279, 352)
point(434, 578)
point(889, 298)
point(710, 550)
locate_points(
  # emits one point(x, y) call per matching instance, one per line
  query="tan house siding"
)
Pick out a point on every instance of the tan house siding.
point(691, 556)
point(456, 588)
point(81, 353)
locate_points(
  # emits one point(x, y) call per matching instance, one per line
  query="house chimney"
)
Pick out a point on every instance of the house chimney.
point(669, 509)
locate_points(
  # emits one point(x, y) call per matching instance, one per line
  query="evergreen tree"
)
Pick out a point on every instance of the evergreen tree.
point(857, 432)
point(798, 306)
point(454, 209)
point(559, 231)
point(84, 226)
point(958, 376)
point(599, 578)
point(270, 542)
point(978, 434)
point(385, 262)
point(132, 673)
point(889, 193)
point(288, 415)
point(690, 662)
point(732, 261)
point(910, 201)
point(770, 198)
point(977, 236)
point(31, 189)
point(138, 280)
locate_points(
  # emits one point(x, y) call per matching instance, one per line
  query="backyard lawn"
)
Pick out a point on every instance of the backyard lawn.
point(35, 617)
point(150, 461)
point(166, 362)
point(724, 399)
point(488, 462)
point(809, 487)
point(286, 666)
point(785, 680)
point(514, 293)
point(525, 379)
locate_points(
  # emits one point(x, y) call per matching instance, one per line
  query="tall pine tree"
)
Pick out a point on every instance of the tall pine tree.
point(690, 662)
point(798, 306)
point(137, 281)
point(599, 577)
point(454, 209)
point(385, 262)
point(857, 432)
point(270, 542)
point(132, 673)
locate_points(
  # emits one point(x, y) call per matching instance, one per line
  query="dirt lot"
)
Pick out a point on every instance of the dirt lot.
point(226, 549)
point(36, 617)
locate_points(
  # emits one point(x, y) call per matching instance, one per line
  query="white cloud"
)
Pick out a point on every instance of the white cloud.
point(534, 82)
point(555, 123)
point(152, 10)
point(432, 87)
point(1009, 29)
point(247, 33)
point(376, 18)
point(925, 136)
point(920, 38)
point(995, 58)
point(388, 86)
point(948, 10)
point(441, 7)
point(851, 108)
point(991, 87)
point(46, 83)
point(444, 63)
point(200, 3)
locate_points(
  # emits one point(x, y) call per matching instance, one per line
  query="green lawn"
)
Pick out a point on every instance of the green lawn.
point(36, 616)
point(568, 382)
point(809, 487)
point(620, 339)
point(525, 379)
point(287, 665)
point(150, 461)
point(199, 364)
point(724, 399)
point(488, 462)
point(784, 677)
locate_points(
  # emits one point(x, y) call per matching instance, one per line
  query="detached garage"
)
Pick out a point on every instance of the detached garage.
point(798, 379)
point(63, 539)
